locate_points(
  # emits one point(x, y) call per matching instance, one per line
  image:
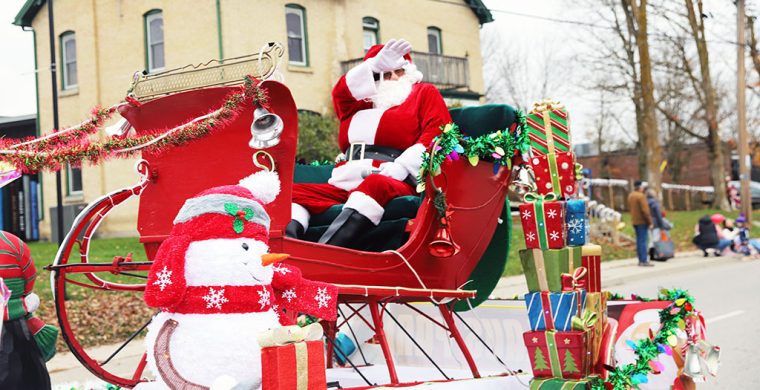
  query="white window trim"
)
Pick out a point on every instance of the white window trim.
point(300, 13)
point(437, 33)
point(149, 43)
point(373, 26)
point(70, 36)
point(69, 190)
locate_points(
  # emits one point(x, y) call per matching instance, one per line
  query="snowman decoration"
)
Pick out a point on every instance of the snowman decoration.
point(218, 287)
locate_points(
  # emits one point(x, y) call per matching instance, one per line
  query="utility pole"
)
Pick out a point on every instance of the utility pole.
point(741, 107)
point(54, 78)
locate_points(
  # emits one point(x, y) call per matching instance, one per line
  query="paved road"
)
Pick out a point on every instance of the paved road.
point(726, 292)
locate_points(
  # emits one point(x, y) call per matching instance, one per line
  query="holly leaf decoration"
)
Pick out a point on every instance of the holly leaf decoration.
point(231, 208)
point(237, 225)
point(248, 214)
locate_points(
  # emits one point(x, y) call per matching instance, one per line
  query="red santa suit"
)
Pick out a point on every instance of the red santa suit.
point(408, 127)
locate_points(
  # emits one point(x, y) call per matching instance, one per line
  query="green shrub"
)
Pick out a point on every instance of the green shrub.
point(317, 137)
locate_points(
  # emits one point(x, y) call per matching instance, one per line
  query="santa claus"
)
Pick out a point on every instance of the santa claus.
point(387, 120)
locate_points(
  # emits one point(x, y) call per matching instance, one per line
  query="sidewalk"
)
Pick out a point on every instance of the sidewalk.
point(66, 369)
point(617, 272)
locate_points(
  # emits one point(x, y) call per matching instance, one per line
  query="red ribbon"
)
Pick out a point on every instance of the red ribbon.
point(575, 281)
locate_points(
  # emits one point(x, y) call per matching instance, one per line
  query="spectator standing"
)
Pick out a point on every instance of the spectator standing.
point(641, 219)
point(732, 193)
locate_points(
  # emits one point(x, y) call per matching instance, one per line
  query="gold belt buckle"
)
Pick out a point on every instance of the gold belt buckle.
point(361, 153)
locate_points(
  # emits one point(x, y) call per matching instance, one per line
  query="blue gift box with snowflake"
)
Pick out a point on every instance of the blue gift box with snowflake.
point(576, 222)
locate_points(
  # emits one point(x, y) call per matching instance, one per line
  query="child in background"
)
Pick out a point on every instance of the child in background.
point(742, 238)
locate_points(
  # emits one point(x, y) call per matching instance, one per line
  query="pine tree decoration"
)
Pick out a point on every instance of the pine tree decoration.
point(570, 365)
point(540, 361)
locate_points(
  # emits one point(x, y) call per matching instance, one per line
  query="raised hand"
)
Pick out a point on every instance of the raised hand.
point(391, 56)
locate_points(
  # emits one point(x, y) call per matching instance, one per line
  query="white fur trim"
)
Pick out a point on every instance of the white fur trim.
point(366, 206)
point(264, 185)
point(32, 302)
point(411, 159)
point(214, 203)
point(363, 126)
point(360, 82)
point(413, 74)
point(300, 214)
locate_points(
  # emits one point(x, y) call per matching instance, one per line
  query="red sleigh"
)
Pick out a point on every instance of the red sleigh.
point(478, 229)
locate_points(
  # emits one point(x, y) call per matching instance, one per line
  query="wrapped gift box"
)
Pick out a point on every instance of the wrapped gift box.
point(575, 221)
point(543, 222)
point(555, 173)
point(591, 259)
point(561, 384)
point(543, 269)
point(596, 303)
point(554, 310)
point(294, 366)
point(548, 128)
point(558, 354)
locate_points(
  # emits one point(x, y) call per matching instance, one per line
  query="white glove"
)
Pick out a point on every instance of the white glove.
point(32, 302)
point(394, 170)
point(391, 56)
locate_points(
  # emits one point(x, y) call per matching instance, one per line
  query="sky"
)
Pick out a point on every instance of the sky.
point(17, 92)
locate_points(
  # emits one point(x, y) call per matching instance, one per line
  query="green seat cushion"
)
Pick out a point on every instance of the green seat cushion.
point(478, 120)
point(312, 173)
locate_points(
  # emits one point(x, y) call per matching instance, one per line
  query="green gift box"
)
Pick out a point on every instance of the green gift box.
point(543, 268)
point(562, 384)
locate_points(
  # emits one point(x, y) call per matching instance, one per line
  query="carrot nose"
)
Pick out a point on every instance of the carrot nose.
point(271, 258)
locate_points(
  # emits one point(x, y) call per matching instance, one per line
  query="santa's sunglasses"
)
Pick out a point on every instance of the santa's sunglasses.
point(387, 75)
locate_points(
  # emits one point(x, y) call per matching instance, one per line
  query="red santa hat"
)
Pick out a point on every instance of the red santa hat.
point(376, 49)
point(232, 211)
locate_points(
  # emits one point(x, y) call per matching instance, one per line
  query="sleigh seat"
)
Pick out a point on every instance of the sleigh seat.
point(392, 231)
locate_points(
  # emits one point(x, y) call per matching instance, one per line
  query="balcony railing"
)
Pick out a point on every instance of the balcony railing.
point(445, 72)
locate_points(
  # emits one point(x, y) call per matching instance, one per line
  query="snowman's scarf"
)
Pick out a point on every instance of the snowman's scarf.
point(288, 295)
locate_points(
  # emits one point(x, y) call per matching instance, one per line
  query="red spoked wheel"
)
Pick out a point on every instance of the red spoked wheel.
point(74, 283)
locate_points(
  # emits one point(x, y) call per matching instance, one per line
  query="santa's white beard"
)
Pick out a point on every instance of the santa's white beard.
point(391, 93)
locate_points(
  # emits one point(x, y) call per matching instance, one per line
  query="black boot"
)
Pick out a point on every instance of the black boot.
point(346, 229)
point(294, 230)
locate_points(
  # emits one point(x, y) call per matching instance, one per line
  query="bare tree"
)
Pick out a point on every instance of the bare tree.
point(636, 19)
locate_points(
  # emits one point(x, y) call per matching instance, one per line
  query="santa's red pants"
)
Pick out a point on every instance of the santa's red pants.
point(319, 197)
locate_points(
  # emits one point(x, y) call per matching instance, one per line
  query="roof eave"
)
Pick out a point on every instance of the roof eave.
point(27, 12)
point(481, 11)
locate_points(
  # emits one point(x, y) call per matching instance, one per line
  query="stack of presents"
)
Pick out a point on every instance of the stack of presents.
point(570, 337)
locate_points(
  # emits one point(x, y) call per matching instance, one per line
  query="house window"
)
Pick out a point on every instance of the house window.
point(371, 32)
point(73, 180)
point(295, 21)
point(69, 59)
point(434, 40)
point(154, 40)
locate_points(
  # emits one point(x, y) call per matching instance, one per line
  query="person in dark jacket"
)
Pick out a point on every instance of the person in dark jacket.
point(709, 235)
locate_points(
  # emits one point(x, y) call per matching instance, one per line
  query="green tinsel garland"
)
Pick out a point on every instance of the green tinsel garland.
point(672, 318)
point(499, 146)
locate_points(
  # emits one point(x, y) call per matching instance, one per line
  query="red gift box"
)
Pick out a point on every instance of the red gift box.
point(297, 366)
point(555, 172)
point(591, 258)
point(543, 221)
point(559, 354)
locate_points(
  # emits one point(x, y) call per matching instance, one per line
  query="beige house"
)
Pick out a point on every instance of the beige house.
point(102, 43)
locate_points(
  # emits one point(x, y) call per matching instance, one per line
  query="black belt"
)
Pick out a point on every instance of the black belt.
point(361, 151)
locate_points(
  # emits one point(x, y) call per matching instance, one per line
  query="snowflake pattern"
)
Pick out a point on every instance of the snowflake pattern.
point(322, 297)
point(554, 235)
point(164, 279)
point(215, 298)
point(530, 237)
point(552, 214)
point(264, 297)
point(527, 214)
point(289, 294)
point(280, 270)
point(575, 225)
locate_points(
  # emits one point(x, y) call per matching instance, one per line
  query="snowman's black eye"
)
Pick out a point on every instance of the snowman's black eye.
point(245, 246)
